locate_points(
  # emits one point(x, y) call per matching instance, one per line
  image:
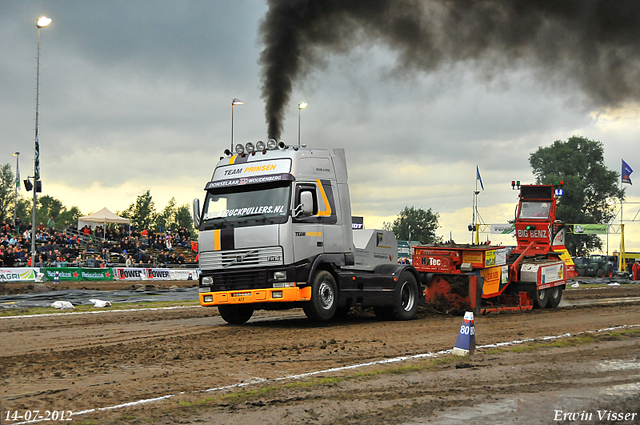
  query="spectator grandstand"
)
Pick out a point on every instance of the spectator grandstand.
point(95, 248)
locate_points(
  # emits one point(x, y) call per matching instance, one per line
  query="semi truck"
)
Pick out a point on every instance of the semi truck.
point(275, 232)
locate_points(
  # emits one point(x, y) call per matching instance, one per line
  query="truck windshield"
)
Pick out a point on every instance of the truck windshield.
point(534, 210)
point(246, 206)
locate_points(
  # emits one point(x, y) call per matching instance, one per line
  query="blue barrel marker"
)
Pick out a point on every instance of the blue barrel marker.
point(466, 342)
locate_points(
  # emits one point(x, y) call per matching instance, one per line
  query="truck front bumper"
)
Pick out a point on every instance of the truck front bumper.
point(251, 296)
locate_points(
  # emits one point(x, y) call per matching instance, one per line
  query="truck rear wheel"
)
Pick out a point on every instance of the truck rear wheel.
point(555, 295)
point(235, 314)
point(540, 298)
point(324, 297)
point(405, 303)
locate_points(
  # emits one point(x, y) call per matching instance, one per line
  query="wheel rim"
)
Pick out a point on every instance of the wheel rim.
point(325, 292)
point(408, 297)
point(542, 294)
point(555, 292)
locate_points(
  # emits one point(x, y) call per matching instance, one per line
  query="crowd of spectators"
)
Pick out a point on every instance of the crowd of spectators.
point(112, 246)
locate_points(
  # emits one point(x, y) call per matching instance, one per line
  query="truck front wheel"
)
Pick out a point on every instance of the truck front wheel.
point(405, 298)
point(235, 314)
point(324, 297)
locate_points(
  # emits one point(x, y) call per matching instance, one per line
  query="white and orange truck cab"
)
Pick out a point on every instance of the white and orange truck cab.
point(275, 232)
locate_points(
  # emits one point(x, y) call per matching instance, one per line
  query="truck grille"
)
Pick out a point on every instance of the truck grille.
point(239, 280)
point(241, 258)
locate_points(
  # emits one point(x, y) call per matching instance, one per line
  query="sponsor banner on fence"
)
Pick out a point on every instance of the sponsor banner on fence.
point(590, 229)
point(502, 229)
point(184, 274)
point(130, 273)
point(77, 273)
point(96, 274)
point(157, 274)
point(19, 274)
point(64, 273)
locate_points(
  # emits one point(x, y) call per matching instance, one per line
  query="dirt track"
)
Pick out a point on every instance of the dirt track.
point(87, 361)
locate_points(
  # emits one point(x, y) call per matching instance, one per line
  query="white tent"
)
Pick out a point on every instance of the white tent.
point(101, 217)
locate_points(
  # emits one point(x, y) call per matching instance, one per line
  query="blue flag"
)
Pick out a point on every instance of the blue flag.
point(626, 172)
point(478, 177)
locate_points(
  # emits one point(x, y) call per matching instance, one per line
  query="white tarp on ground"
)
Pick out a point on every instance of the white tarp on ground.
point(101, 218)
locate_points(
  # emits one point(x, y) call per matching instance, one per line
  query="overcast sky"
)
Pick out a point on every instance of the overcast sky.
point(137, 96)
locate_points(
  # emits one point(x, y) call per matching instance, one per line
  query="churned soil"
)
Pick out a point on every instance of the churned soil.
point(191, 367)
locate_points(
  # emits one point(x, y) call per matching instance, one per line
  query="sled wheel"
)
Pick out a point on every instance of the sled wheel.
point(324, 297)
point(235, 314)
point(554, 295)
point(405, 303)
point(540, 298)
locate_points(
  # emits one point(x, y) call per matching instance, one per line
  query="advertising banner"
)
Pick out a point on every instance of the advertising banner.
point(590, 229)
point(157, 274)
point(96, 274)
point(76, 273)
point(184, 274)
point(64, 273)
point(18, 274)
point(130, 273)
point(502, 229)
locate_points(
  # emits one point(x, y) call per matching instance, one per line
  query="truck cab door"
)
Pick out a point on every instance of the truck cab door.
point(308, 235)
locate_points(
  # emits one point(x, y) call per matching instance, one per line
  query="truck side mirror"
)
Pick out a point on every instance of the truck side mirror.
point(196, 213)
point(305, 207)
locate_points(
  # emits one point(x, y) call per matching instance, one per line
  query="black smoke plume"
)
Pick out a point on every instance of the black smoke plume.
point(595, 44)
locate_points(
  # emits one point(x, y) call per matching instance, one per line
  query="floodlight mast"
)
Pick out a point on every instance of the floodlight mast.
point(41, 22)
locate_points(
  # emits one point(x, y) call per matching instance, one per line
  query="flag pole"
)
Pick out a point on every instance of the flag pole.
point(622, 266)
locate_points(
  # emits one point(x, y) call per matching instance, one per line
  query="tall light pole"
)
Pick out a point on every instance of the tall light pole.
point(301, 106)
point(234, 102)
point(41, 22)
point(15, 205)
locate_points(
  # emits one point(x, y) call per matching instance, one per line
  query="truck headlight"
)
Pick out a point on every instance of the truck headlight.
point(281, 275)
point(249, 147)
point(276, 294)
point(260, 145)
point(239, 149)
point(207, 280)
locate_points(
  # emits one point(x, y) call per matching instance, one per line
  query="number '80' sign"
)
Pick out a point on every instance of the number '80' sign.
point(467, 330)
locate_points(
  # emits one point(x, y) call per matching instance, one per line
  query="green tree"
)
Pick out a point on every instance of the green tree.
point(142, 213)
point(184, 218)
point(48, 206)
point(24, 210)
point(415, 224)
point(7, 192)
point(588, 186)
point(168, 216)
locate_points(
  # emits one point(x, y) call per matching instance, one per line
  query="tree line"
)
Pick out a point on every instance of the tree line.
point(142, 212)
point(589, 189)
